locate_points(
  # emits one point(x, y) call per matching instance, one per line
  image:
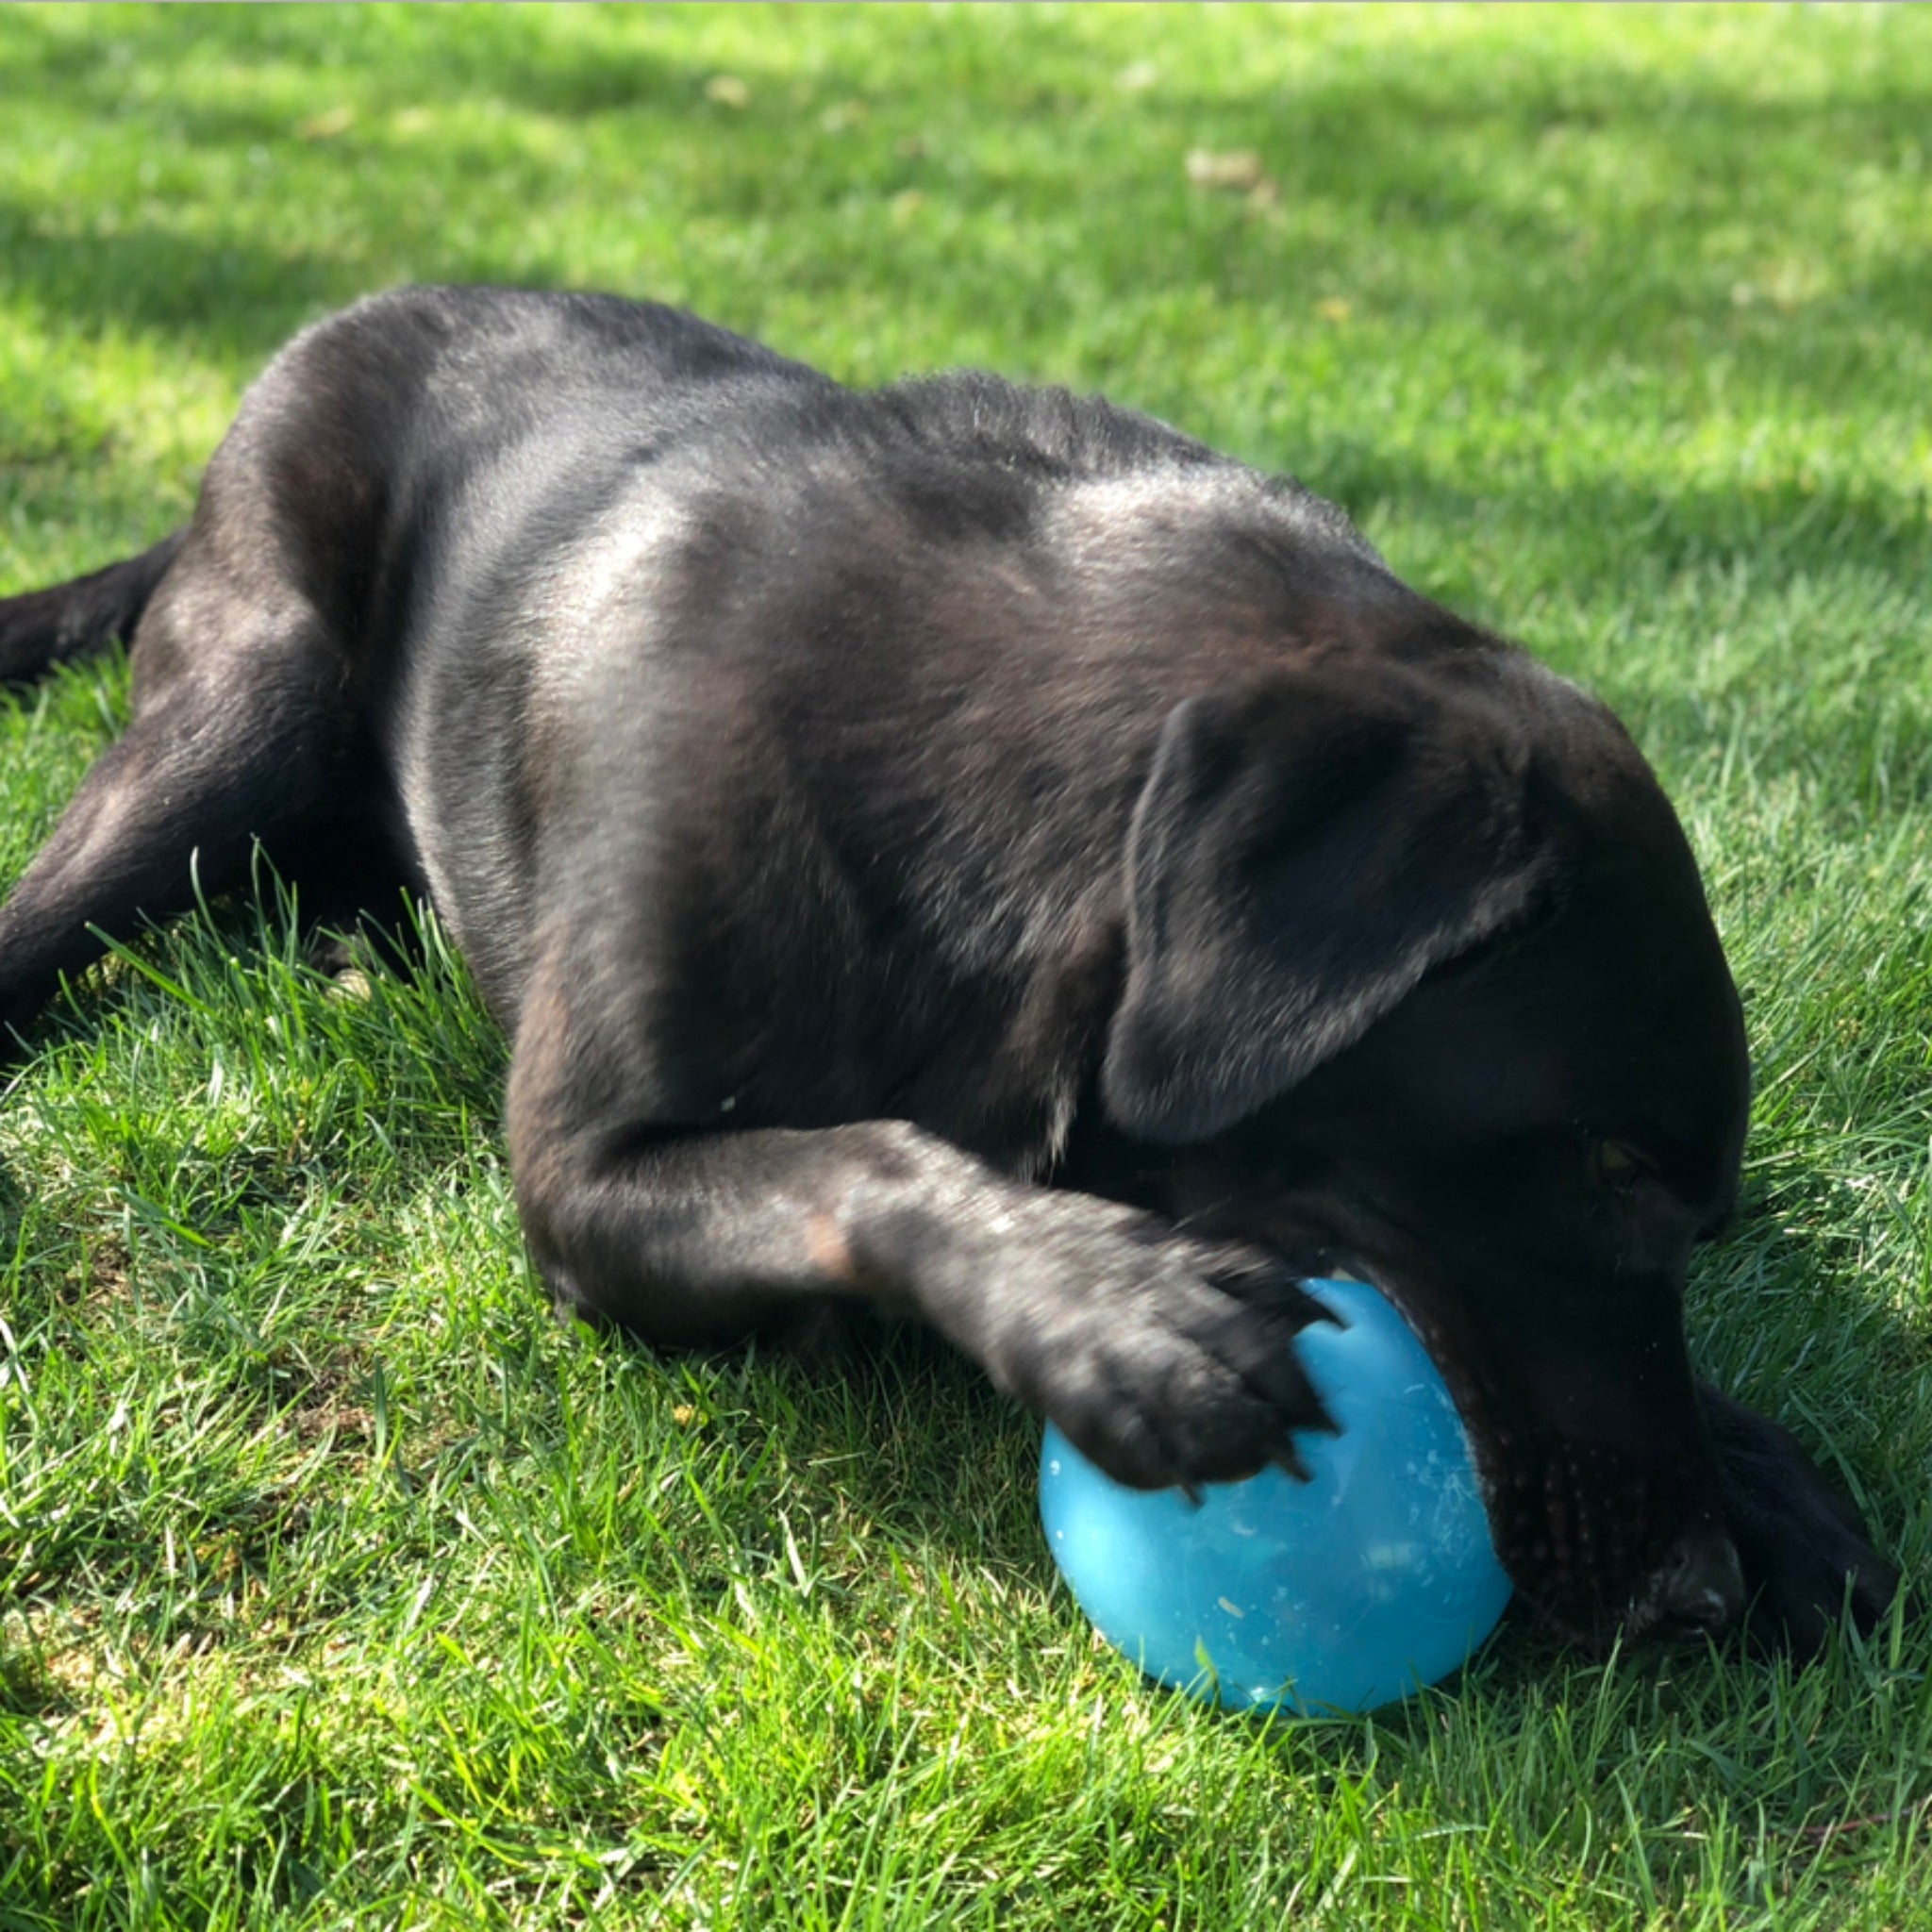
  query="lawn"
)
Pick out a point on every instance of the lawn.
point(340, 1586)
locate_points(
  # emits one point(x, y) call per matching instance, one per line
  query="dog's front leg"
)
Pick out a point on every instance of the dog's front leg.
point(1806, 1551)
point(1166, 1358)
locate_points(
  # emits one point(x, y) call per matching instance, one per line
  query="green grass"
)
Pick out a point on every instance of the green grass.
point(338, 1584)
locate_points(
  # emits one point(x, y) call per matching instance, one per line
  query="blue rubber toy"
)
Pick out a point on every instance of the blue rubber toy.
point(1337, 1595)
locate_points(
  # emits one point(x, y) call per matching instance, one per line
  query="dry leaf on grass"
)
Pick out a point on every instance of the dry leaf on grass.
point(326, 125)
point(1238, 168)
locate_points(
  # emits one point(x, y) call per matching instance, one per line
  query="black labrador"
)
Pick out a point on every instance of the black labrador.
point(977, 851)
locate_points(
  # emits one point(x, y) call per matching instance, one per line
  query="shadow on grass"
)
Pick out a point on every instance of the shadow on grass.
point(1549, 179)
point(233, 293)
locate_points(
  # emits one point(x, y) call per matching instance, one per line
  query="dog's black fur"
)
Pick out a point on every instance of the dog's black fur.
point(975, 851)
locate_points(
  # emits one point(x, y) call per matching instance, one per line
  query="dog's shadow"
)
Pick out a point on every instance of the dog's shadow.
point(889, 1424)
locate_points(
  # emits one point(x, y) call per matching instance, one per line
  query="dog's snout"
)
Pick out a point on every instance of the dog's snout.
point(1700, 1585)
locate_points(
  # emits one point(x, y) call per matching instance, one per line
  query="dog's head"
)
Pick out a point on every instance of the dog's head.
point(1421, 979)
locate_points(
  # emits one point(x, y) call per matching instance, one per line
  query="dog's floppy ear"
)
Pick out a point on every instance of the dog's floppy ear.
point(1306, 846)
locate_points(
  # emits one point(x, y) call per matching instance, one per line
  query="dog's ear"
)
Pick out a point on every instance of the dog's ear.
point(1306, 846)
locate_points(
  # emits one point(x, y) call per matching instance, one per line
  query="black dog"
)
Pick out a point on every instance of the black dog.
point(977, 851)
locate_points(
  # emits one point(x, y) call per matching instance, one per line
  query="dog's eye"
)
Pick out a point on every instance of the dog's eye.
point(1617, 1164)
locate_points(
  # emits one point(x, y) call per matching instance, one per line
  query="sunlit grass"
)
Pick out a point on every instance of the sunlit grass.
point(338, 1584)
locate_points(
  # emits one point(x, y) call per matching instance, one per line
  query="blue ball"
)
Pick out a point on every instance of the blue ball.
point(1337, 1595)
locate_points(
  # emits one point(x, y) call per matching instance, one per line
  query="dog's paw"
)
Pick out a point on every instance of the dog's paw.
point(1167, 1360)
point(1806, 1555)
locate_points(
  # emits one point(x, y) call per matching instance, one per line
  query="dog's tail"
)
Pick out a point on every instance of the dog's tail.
point(42, 628)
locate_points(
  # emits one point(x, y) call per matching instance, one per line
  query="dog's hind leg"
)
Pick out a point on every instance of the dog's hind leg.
point(244, 737)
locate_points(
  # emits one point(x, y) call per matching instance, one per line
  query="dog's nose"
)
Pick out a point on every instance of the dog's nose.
point(1701, 1584)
